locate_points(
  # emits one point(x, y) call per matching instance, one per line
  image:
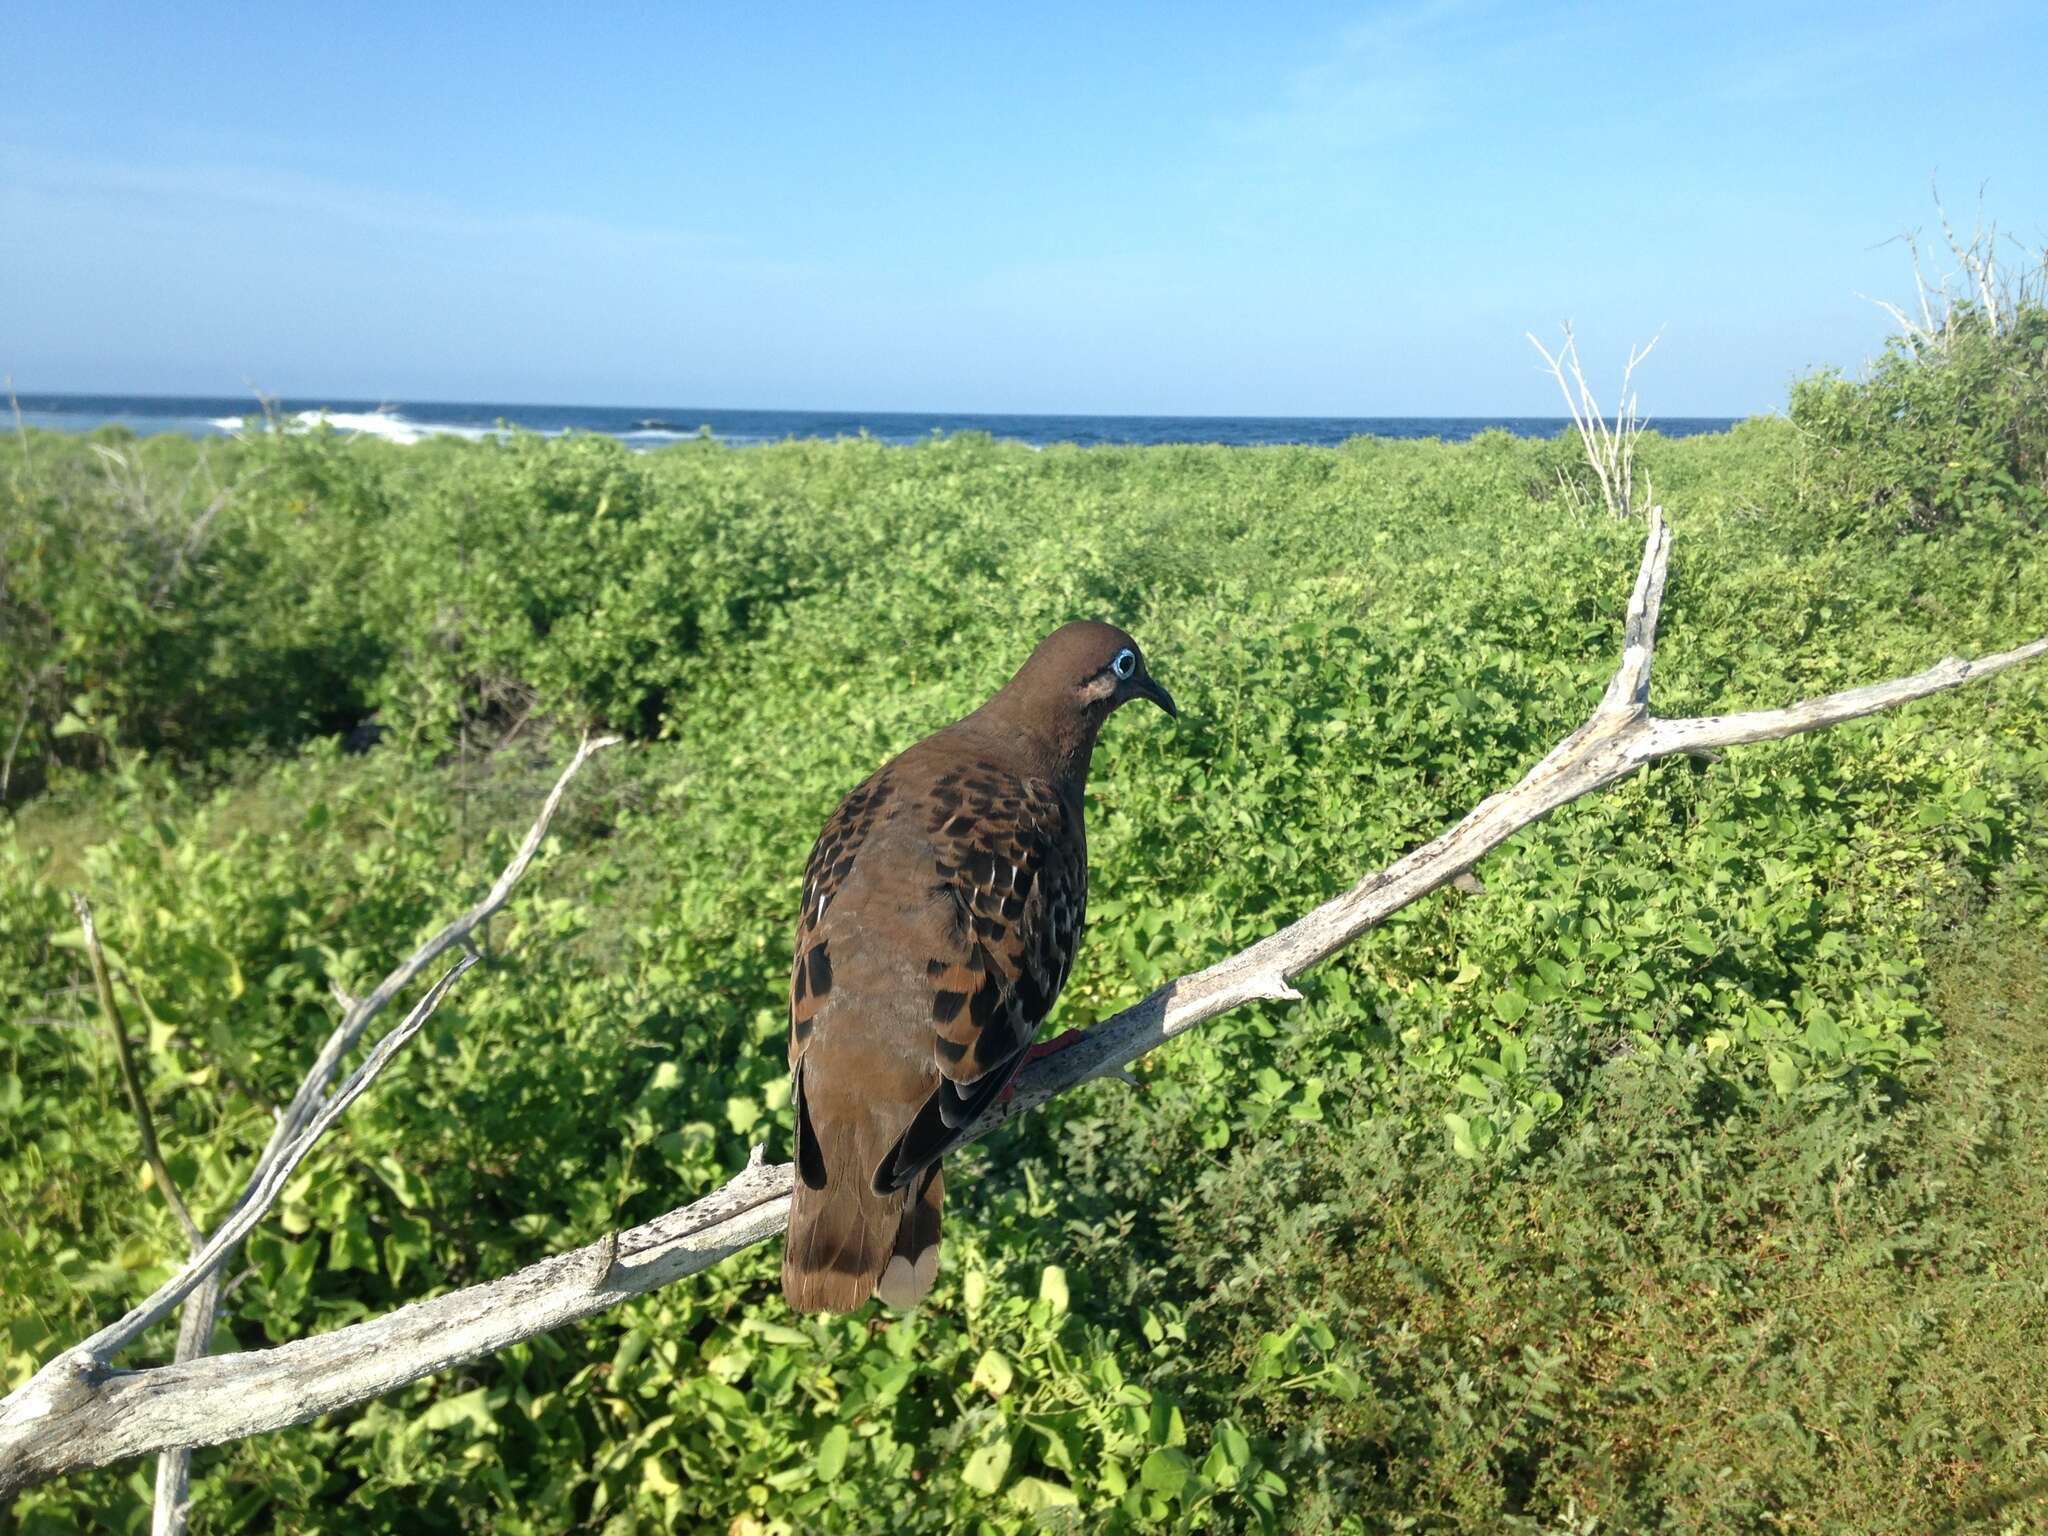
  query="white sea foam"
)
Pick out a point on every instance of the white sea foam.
point(386, 424)
point(392, 428)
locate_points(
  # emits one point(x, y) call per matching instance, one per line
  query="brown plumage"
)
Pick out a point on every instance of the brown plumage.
point(942, 907)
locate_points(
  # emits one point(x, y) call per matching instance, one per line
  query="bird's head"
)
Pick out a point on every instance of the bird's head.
point(1076, 679)
point(1103, 668)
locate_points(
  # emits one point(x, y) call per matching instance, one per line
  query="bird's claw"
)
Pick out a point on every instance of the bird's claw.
point(1050, 1047)
point(1054, 1046)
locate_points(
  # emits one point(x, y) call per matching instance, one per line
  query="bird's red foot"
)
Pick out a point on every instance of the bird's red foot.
point(1050, 1047)
point(1040, 1052)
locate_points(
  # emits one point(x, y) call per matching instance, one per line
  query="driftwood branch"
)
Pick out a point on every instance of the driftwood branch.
point(76, 1412)
point(312, 1112)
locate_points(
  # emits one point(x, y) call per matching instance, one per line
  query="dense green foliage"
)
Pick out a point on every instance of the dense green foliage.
point(1687, 1179)
point(1936, 438)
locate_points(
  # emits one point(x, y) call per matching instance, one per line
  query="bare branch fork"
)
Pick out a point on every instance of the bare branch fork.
point(1996, 295)
point(78, 1411)
point(312, 1112)
point(1610, 449)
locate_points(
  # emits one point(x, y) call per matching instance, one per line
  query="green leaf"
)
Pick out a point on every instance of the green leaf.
point(630, 1349)
point(654, 1475)
point(351, 1247)
point(1052, 1288)
point(1509, 1005)
point(1167, 1470)
point(1231, 1441)
point(1032, 1494)
point(742, 1113)
point(993, 1374)
point(985, 1468)
point(832, 1452)
point(469, 1408)
point(1461, 1135)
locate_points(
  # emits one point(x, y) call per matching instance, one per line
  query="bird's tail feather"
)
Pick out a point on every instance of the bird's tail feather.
point(839, 1241)
point(849, 1240)
point(914, 1258)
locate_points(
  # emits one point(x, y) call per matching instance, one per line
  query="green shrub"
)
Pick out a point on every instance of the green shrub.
point(184, 598)
point(1459, 1241)
point(1936, 438)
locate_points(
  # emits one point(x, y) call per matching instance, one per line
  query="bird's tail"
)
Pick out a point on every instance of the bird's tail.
point(848, 1243)
point(914, 1260)
point(849, 1240)
point(839, 1239)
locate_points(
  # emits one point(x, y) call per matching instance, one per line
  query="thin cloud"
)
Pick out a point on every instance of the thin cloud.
point(190, 194)
point(1388, 78)
point(1792, 69)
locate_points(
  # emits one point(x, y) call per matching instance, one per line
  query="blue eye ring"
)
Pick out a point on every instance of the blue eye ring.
point(1125, 666)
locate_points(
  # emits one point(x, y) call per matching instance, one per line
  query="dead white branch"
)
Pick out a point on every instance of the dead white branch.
point(312, 1111)
point(1975, 286)
point(77, 1412)
point(1610, 448)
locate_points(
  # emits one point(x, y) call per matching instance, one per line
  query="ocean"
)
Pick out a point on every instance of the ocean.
point(652, 426)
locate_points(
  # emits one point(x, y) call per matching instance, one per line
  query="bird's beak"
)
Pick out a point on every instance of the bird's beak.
point(1158, 695)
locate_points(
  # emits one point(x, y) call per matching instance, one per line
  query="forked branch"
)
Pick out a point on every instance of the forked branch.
point(77, 1413)
point(1610, 447)
point(312, 1112)
point(1978, 286)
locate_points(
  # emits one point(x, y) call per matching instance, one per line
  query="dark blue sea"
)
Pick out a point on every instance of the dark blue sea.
point(408, 421)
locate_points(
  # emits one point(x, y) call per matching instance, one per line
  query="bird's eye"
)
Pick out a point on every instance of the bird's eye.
point(1126, 664)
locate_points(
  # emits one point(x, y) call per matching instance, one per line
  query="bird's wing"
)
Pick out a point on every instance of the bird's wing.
point(832, 856)
point(1009, 895)
point(859, 1066)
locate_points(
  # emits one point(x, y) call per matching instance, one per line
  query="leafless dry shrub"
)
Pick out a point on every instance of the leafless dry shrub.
point(1976, 286)
point(1610, 446)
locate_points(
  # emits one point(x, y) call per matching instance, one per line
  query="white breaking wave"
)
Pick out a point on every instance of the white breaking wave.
point(388, 425)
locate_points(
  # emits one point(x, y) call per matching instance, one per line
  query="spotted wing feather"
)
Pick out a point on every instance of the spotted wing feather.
point(1011, 883)
point(832, 857)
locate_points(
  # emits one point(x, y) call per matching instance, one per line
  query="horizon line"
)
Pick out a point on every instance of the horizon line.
point(392, 402)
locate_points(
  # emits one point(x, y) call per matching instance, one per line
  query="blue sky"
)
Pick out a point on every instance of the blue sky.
point(1228, 209)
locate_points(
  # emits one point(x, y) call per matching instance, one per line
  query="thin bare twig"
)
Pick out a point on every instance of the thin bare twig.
point(28, 464)
point(124, 1052)
point(1610, 450)
point(74, 1414)
point(1977, 285)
